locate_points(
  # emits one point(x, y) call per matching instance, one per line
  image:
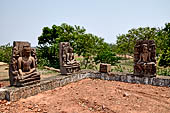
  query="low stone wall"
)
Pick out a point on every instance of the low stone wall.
point(130, 78)
point(2, 93)
point(15, 93)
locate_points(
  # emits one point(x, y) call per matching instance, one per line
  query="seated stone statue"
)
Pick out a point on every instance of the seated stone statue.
point(23, 65)
point(70, 57)
point(68, 64)
point(145, 63)
point(144, 58)
point(26, 65)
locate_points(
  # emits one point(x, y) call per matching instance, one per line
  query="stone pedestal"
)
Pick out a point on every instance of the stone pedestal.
point(105, 68)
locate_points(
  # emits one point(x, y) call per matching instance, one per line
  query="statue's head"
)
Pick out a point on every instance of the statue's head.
point(14, 48)
point(14, 51)
point(70, 50)
point(26, 51)
point(67, 44)
point(145, 48)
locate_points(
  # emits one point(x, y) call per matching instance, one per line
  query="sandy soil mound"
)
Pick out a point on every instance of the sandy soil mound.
point(95, 96)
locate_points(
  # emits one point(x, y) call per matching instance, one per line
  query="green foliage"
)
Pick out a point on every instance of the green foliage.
point(118, 68)
point(164, 59)
point(48, 56)
point(163, 71)
point(106, 56)
point(126, 42)
point(86, 45)
point(49, 42)
point(113, 47)
point(45, 71)
point(5, 53)
point(125, 66)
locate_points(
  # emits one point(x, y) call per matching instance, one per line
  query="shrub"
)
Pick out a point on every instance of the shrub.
point(5, 53)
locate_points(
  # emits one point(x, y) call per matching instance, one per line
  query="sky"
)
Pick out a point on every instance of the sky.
point(23, 20)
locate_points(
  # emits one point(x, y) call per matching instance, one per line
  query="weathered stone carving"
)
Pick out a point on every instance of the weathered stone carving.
point(144, 58)
point(68, 64)
point(105, 68)
point(22, 69)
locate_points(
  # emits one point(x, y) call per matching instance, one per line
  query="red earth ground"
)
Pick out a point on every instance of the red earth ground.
point(95, 96)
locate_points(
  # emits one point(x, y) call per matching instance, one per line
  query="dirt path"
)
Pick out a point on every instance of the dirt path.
point(95, 96)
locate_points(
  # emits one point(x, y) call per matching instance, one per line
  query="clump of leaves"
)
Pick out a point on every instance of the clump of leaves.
point(5, 53)
point(163, 71)
point(106, 57)
point(84, 44)
point(118, 68)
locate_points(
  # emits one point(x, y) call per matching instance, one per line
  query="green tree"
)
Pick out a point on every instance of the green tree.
point(5, 53)
point(84, 44)
point(106, 55)
point(164, 34)
point(49, 42)
point(126, 42)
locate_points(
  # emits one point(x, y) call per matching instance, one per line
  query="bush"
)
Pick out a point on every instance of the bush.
point(48, 56)
point(84, 44)
point(107, 57)
point(163, 71)
point(5, 53)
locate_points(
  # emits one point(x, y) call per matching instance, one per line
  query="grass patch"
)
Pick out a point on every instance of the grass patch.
point(163, 71)
point(45, 71)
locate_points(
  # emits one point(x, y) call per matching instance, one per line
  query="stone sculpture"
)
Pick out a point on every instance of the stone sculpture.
point(22, 69)
point(144, 58)
point(68, 64)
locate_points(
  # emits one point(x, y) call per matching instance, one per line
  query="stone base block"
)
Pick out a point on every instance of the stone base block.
point(105, 68)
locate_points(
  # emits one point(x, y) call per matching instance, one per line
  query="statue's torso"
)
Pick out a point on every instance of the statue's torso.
point(26, 64)
point(145, 57)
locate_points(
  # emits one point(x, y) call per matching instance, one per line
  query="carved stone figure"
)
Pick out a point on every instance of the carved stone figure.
point(22, 69)
point(144, 58)
point(68, 64)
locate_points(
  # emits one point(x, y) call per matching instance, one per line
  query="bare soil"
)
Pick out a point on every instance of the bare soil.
point(95, 96)
point(4, 78)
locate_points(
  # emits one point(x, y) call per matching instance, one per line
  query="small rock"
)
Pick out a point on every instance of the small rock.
point(8, 103)
point(39, 110)
point(137, 106)
point(3, 101)
point(90, 109)
point(126, 94)
point(36, 106)
point(30, 107)
point(6, 108)
point(119, 91)
point(45, 112)
point(103, 106)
